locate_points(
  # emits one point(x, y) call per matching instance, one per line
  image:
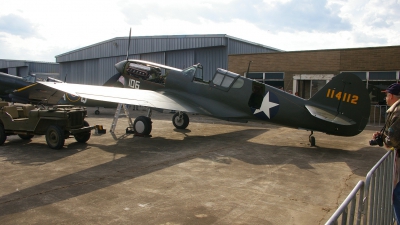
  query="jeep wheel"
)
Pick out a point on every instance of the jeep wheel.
point(3, 136)
point(84, 136)
point(55, 137)
point(25, 136)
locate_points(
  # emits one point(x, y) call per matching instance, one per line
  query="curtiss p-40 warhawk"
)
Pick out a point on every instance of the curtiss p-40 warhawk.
point(340, 108)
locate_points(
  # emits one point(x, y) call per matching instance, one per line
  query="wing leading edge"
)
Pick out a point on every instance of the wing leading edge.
point(126, 96)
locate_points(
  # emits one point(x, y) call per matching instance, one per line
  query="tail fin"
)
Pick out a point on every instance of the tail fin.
point(347, 98)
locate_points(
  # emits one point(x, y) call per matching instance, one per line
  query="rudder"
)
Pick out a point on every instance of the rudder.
point(346, 95)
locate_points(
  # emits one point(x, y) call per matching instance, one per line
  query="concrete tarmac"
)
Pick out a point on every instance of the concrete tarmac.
point(214, 172)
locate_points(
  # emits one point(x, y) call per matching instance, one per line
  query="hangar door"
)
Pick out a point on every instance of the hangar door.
point(306, 85)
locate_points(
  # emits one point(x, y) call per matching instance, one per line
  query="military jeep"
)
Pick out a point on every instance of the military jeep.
point(56, 122)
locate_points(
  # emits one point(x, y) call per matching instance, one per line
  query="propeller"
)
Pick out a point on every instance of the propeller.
point(112, 82)
point(129, 44)
point(120, 66)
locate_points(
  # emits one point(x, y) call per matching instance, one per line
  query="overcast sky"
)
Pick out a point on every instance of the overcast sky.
point(38, 30)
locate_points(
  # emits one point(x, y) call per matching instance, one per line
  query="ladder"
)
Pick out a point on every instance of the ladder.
point(117, 114)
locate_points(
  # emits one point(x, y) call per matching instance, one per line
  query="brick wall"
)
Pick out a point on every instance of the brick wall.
point(371, 59)
point(319, 61)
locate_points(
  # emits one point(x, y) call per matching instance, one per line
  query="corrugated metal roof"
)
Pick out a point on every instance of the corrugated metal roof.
point(149, 44)
point(5, 63)
point(25, 67)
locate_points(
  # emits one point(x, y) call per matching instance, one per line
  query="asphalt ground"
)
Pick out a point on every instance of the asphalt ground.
point(214, 172)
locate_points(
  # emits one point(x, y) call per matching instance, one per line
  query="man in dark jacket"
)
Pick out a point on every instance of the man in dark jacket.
point(391, 138)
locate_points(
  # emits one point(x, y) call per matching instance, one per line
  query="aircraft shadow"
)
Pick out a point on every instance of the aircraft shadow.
point(32, 152)
point(143, 156)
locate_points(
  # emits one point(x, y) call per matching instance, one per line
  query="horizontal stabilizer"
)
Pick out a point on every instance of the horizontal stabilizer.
point(329, 116)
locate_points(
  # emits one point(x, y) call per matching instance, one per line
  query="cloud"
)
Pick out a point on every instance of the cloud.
point(374, 39)
point(299, 15)
point(39, 30)
point(35, 49)
point(17, 25)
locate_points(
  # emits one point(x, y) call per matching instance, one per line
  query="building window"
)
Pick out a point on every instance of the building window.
point(306, 85)
point(376, 82)
point(274, 79)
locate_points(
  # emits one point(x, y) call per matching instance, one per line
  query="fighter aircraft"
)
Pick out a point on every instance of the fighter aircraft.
point(24, 90)
point(340, 108)
point(9, 83)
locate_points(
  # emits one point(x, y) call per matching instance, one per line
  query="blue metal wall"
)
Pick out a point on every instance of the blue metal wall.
point(180, 59)
point(23, 68)
point(95, 64)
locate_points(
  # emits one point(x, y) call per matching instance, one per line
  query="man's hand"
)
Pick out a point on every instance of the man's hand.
point(375, 135)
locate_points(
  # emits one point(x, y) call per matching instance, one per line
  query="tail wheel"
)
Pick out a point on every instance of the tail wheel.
point(180, 120)
point(84, 136)
point(312, 141)
point(3, 135)
point(55, 137)
point(25, 136)
point(142, 125)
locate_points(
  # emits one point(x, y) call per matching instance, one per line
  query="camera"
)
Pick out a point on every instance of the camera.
point(377, 141)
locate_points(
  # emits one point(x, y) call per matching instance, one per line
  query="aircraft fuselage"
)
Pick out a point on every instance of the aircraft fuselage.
point(232, 97)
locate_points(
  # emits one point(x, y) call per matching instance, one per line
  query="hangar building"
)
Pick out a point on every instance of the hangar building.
point(94, 64)
point(306, 72)
point(24, 68)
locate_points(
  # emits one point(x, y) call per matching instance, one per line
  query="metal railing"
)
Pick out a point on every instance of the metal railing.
point(369, 202)
point(378, 192)
point(377, 115)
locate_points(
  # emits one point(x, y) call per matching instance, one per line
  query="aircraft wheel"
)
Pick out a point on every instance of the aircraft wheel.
point(142, 125)
point(25, 136)
point(97, 112)
point(55, 137)
point(312, 141)
point(180, 122)
point(3, 135)
point(84, 136)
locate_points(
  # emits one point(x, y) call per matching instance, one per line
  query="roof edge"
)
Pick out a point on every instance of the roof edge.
point(16, 60)
point(168, 37)
point(316, 50)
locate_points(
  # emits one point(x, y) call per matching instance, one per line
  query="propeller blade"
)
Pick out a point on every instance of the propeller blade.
point(112, 81)
point(129, 44)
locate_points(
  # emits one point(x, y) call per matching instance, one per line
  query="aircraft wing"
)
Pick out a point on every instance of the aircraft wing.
point(126, 96)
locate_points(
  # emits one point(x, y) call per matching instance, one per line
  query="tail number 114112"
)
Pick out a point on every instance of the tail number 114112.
point(342, 96)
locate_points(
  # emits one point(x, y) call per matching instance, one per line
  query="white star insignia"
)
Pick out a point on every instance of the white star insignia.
point(266, 105)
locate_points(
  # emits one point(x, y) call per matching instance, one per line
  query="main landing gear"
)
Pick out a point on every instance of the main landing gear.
point(142, 125)
point(180, 120)
point(311, 138)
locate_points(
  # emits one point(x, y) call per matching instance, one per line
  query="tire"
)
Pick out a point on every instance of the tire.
point(84, 136)
point(25, 136)
point(180, 123)
point(97, 112)
point(312, 141)
point(3, 135)
point(55, 137)
point(142, 125)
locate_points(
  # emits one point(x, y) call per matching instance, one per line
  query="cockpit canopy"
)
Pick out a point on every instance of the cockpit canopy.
point(224, 80)
point(31, 78)
point(195, 72)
